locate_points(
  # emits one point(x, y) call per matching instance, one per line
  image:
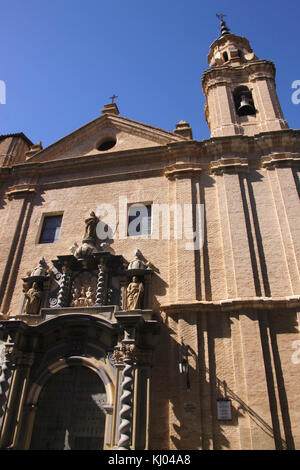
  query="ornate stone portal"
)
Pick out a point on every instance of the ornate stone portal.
point(94, 310)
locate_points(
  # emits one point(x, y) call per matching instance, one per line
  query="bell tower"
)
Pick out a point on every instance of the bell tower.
point(240, 89)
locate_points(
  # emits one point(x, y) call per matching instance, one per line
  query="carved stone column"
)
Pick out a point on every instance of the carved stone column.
point(101, 284)
point(23, 365)
point(122, 299)
point(8, 377)
point(63, 292)
point(5, 378)
point(134, 354)
point(126, 355)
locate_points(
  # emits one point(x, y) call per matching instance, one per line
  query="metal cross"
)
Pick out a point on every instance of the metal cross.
point(112, 98)
point(221, 16)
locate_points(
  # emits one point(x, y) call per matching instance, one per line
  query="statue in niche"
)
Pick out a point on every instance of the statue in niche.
point(81, 299)
point(89, 297)
point(33, 299)
point(135, 292)
point(75, 298)
point(90, 227)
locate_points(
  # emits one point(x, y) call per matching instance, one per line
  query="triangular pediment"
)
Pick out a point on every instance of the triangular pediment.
point(86, 140)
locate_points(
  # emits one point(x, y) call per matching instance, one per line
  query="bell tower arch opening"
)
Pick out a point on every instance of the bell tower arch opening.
point(70, 414)
point(243, 100)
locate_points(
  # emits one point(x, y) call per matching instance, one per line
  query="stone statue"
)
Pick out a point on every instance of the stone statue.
point(75, 298)
point(33, 297)
point(135, 292)
point(138, 261)
point(82, 298)
point(41, 269)
point(89, 297)
point(90, 227)
point(73, 248)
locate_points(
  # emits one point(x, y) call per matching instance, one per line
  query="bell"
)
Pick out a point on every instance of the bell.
point(246, 106)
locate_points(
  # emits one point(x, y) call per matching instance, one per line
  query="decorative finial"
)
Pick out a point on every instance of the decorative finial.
point(220, 16)
point(224, 29)
point(112, 98)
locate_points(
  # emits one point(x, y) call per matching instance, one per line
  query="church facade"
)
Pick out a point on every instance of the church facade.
point(150, 289)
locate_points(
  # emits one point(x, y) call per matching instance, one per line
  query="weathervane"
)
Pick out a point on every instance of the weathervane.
point(112, 98)
point(221, 16)
point(224, 28)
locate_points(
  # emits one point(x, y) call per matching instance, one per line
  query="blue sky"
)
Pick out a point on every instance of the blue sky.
point(61, 60)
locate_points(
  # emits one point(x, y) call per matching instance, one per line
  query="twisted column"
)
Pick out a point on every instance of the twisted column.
point(64, 287)
point(5, 379)
point(126, 406)
point(101, 287)
point(4, 385)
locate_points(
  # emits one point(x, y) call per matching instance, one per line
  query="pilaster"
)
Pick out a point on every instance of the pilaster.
point(237, 259)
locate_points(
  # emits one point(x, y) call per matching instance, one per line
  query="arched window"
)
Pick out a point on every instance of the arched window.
point(225, 56)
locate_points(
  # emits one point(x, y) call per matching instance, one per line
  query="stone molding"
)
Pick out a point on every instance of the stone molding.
point(172, 160)
point(235, 305)
point(182, 170)
point(226, 165)
point(20, 190)
point(256, 70)
point(277, 160)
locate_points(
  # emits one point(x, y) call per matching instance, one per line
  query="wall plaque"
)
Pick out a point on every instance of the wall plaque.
point(224, 409)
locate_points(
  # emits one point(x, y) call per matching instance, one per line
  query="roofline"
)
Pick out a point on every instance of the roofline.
point(17, 134)
point(111, 117)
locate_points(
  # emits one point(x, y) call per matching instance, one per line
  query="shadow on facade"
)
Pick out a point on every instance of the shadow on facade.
point(198, 425)
point(11, 270)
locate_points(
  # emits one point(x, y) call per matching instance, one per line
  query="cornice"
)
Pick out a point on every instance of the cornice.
point(229, 165)
point(277, 160)
point(260, 69)
point(20, 190)
point(182, 170)
point(251, 304)
point(172, 160)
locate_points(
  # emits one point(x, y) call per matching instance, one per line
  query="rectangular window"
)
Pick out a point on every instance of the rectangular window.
point(51, 229)
point(139, 219)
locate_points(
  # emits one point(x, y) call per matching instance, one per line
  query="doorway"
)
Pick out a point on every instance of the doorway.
point(70, 412)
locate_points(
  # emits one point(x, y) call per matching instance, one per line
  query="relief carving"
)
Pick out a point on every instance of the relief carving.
point(84, 290)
